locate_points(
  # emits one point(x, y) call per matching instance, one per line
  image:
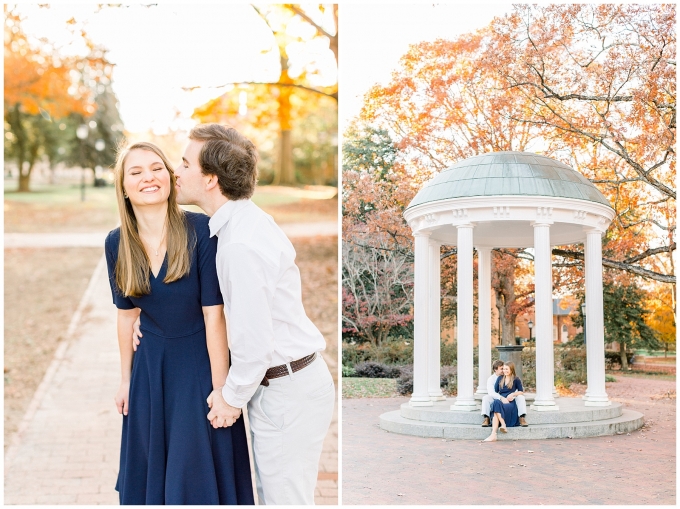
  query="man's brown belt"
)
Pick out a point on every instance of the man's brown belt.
point(282, 370)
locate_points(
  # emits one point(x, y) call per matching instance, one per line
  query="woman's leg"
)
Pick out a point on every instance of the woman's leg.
point(494, 427)
point(503, 428)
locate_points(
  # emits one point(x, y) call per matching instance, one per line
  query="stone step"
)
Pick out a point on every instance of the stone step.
point(628, 421)
point(570, 410)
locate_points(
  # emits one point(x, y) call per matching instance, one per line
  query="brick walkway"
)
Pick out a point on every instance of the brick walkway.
point(640, 468)
point(67, 448)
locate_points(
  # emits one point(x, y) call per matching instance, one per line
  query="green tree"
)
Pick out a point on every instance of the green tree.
point(625, 318)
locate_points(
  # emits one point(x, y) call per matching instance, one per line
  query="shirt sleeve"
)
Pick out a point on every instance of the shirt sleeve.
point(207, 270)
point(119, 299)
point(491, 388)
point(248, 283)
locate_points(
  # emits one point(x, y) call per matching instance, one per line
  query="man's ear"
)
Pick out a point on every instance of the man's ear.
point(211, 182)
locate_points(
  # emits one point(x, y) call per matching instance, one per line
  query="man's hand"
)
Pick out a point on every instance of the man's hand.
point(511, 397)
point(504, 400)
point(136, 334)
point(222, 414)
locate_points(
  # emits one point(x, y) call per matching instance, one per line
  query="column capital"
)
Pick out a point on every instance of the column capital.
point(465, 225)
point(595, 229)
point(421, 233)
point(542, 222)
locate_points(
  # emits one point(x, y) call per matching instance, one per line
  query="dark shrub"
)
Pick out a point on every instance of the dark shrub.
point(447, 380)
point(376, 370)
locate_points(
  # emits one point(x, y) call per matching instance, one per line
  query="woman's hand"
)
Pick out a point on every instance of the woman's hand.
point(504, 400)
point(511, 397)
point(121, 398)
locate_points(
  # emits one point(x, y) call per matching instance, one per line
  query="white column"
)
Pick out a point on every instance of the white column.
point(589, 355)
point(484, 317)
point(465, 400)
point(434, 330)
point(420, 396)
point(543, 328)
point(595, 321)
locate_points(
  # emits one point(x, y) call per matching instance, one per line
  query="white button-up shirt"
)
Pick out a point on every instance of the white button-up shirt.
point(261, 287)
point(491, 386)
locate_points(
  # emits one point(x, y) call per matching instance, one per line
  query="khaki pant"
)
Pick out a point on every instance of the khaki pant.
point(289, 421)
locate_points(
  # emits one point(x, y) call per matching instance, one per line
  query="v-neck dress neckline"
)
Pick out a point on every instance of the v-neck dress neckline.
point(156, 276)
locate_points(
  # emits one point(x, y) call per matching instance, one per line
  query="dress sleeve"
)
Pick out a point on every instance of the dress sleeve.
point(207, 269)
point(119, 299)
point(497, 385)
point(518, 385)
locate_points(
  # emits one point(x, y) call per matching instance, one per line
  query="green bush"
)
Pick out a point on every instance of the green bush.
point(609, 378)
point(348, 371)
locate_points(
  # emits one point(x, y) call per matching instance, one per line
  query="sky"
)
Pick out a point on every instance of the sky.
point(158, 50)
point(374, 36)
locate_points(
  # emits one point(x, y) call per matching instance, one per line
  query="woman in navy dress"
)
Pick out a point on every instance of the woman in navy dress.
point(161, 264)
point(504, 410)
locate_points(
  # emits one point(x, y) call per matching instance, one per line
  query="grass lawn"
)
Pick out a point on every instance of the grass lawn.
point(643, 374)
point(58, 208)
point(369, 388)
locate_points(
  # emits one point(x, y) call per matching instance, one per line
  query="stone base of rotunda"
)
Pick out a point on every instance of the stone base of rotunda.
point(573, 420)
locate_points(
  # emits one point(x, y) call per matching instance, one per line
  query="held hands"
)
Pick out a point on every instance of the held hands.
point(121, 398)
point(136, 334)
point(511, 397)
point(222, 414)
point(505, 400)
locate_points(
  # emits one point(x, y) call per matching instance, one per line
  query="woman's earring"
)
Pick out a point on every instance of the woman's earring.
point(125, 195)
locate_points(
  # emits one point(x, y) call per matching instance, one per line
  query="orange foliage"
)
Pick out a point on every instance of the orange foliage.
point(36, 78)
point(590, 85)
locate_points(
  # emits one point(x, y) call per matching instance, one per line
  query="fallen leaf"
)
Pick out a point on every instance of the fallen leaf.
point(530, 451)
point(400, 494)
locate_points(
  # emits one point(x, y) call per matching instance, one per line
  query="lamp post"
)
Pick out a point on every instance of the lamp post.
point(531, 326)
point(82, 133)
point(583, 312)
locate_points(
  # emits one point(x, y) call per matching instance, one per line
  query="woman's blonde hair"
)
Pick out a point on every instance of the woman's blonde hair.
point(133, 267)
point(510, 379)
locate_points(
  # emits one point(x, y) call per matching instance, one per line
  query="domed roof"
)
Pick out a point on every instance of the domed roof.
point(509, 174)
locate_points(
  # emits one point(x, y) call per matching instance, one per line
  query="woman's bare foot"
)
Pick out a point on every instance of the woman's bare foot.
point(503, 428)
point(491, 438)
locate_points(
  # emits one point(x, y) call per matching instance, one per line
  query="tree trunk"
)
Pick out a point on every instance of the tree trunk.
point(24, 182)
point(287, 177)
point(624, 357)
point(507, 320)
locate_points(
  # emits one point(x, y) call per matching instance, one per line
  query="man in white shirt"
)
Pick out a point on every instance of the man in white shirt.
point(497, 368)
point(276, 368)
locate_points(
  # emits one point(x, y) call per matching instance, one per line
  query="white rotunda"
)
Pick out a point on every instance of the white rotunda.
point(511, 200)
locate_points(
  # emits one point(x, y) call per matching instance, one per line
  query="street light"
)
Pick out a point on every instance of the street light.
point(82, 133)
point(531, 326)
point(583, 312)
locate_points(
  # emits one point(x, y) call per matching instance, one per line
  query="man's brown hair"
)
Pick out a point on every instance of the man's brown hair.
point(228, 155)
point(497, 364)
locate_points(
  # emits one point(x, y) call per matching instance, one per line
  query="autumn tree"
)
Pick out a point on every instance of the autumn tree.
point(590, 85)
point(47, 94)
point(599, 83)
point(297, 89)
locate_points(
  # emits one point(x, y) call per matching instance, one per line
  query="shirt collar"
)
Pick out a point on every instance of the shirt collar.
point(222, 216)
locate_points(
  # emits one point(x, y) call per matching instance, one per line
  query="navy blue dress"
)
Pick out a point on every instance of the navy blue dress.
point(507, 410)
point(170, 453)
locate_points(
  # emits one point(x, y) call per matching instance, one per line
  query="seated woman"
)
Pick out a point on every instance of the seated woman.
point(504, 410)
